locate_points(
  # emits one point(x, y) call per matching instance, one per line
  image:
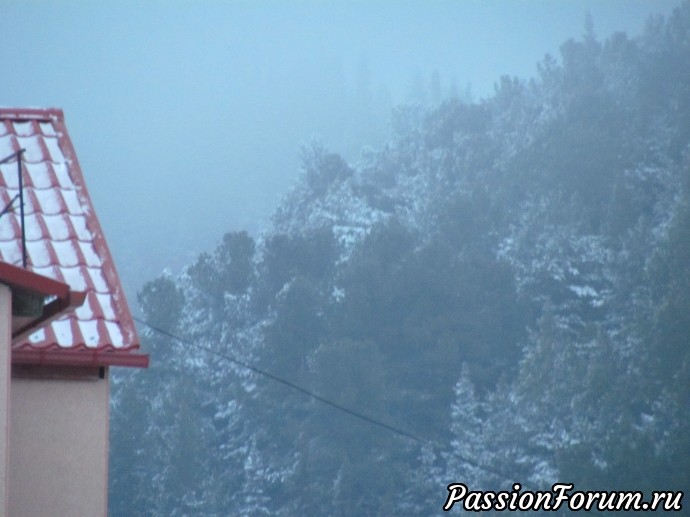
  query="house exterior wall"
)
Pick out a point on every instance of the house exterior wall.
point(58, 442)
point(5, 366)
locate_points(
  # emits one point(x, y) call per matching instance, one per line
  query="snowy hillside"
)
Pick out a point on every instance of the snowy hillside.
point(507, 280)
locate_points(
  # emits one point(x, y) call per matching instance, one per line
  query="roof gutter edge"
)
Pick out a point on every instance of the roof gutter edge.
point(79, 358)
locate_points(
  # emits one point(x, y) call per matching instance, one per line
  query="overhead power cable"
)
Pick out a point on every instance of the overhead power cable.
point(335, 405)
point(285, 382)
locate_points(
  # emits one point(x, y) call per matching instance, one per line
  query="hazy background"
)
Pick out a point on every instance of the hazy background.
point(188, 117)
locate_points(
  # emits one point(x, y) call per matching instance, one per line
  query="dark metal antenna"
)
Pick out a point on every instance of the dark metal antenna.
point(18, 155)
point(21, 204)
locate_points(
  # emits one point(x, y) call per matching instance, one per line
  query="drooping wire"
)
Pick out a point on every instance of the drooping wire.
point(335, 405)
point(323, 400)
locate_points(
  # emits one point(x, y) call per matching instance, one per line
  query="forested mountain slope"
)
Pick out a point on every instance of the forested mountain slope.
point(508, 280)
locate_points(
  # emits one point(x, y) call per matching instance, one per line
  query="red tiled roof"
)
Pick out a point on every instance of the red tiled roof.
point(64, 241)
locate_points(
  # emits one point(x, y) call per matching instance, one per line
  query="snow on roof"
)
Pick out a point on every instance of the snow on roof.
point(64, 241)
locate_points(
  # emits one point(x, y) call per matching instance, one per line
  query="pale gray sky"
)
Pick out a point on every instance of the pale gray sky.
point(187, 117)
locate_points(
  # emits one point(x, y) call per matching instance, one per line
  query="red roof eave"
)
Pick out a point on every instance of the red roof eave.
point(67, 357)
point(54, 309)
point(23, 280)
point(17, 277)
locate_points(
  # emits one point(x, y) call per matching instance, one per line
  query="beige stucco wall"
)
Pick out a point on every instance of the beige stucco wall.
point(58, 444)
point(5, 351)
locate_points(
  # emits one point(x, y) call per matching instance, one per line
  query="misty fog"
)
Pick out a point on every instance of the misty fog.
point(188, 118)
point(382, 251)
